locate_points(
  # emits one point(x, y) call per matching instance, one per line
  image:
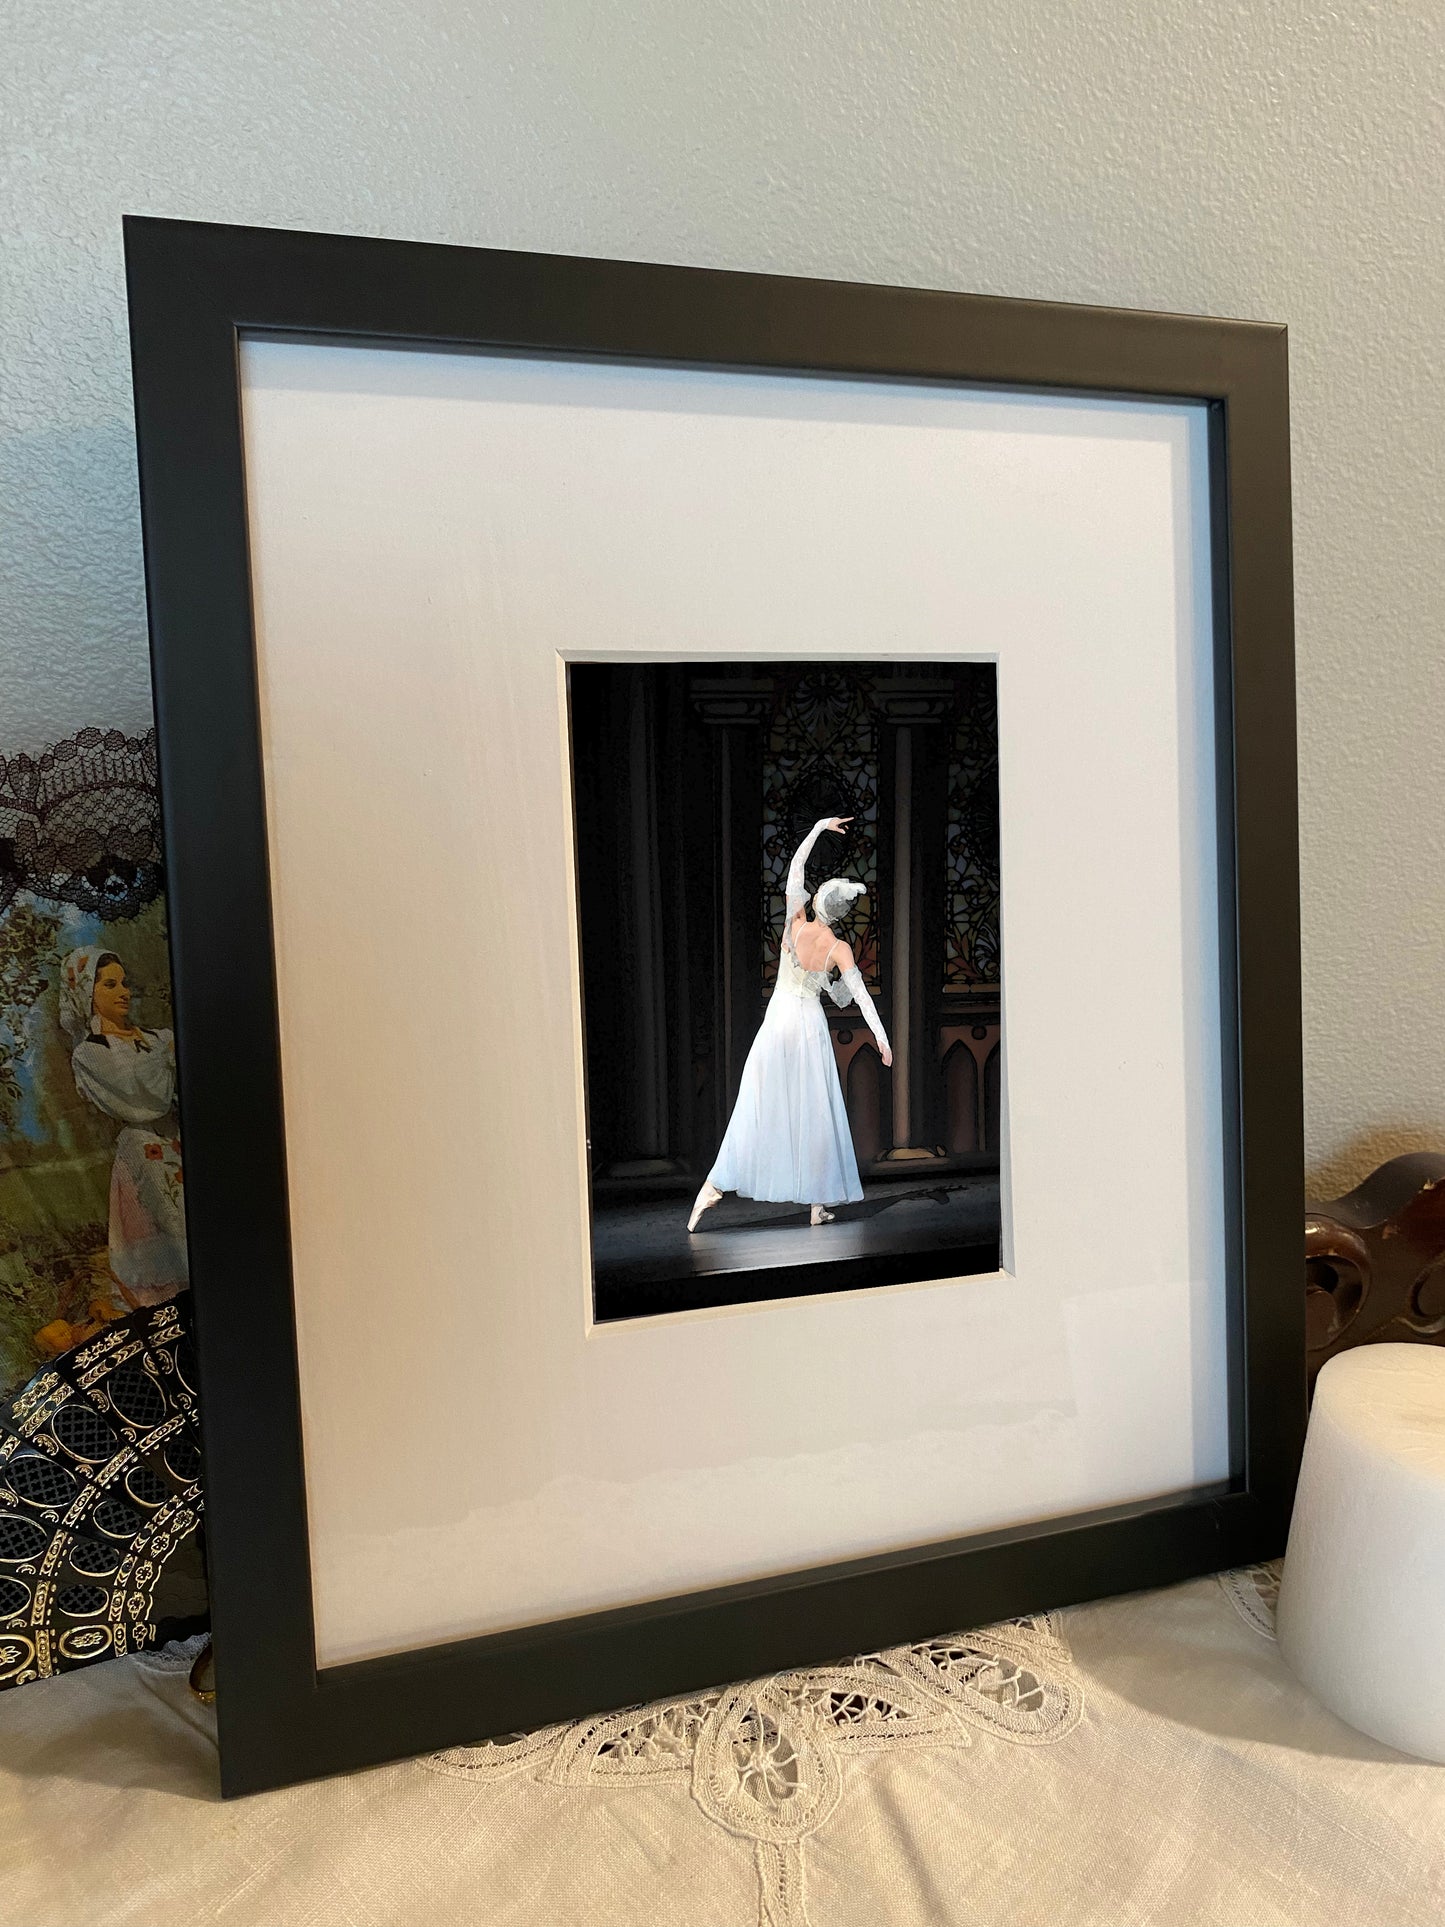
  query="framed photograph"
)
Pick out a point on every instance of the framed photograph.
point(758, 847)
point(732, 867)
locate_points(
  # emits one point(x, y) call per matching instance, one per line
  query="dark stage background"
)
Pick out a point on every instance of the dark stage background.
point(694, 783)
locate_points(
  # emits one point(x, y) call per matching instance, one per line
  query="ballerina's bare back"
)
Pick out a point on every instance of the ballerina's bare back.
point(815, 945)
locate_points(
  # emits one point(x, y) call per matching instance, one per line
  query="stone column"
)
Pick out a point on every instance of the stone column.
point(637, 965)
point(913, 707)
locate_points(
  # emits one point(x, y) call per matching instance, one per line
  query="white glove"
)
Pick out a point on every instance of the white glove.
point(851, 982)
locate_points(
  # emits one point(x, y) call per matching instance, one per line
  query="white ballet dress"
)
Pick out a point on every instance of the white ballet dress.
point(788, 1137)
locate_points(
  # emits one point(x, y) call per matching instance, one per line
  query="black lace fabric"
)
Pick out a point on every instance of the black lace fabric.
point(80, 823)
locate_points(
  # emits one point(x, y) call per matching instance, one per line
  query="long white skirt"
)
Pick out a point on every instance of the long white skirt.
point(788, 1138)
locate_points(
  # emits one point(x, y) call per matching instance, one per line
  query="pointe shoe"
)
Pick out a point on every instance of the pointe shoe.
point(820, 1215)
point(706, 1199)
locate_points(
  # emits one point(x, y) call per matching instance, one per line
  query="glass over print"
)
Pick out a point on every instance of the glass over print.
point(788, 900)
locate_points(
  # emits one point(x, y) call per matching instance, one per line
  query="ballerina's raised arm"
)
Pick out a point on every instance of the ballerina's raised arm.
point(797, 888)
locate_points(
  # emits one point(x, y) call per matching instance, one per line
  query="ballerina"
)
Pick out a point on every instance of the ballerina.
point(788, 1138)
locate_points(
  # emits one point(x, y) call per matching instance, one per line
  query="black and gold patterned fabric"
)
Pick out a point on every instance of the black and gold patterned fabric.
point(101, 1500)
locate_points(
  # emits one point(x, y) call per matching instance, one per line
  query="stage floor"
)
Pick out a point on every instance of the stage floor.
point(645, 1261)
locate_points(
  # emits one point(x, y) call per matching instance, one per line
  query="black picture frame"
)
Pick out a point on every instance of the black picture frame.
point(194, 290)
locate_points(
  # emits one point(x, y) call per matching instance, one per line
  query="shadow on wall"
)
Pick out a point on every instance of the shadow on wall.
point(1362, 1153)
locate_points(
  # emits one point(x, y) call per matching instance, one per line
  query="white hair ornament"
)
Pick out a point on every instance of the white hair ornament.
point(835, 898)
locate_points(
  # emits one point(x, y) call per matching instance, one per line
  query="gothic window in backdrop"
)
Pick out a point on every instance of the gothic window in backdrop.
point(972, 917)
point(820, 758)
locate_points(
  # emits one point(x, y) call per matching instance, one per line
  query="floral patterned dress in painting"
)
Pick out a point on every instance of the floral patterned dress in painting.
point(134, 1081)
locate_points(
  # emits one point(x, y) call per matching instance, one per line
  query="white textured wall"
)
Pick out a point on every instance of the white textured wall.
point(1271, 158)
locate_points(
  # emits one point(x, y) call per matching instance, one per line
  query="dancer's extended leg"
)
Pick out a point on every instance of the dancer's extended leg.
point(706, 1199)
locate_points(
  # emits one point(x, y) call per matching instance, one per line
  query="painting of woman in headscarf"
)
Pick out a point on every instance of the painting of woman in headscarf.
point(129, 1073)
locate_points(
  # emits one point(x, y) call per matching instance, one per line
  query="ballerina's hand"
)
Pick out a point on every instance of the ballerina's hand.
point(838, 823)
point(887, 1056)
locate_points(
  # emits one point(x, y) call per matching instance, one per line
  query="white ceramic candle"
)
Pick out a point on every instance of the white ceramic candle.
point(1362, 1600)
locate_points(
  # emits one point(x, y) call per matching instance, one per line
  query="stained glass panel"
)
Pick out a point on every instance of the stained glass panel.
point(971, 852)
point(820, 758)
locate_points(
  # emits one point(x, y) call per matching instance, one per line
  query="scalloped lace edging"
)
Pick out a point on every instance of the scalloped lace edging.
point(765, 1758)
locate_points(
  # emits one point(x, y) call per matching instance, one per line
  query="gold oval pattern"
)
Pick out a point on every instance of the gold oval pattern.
point(85, 1642)
point(17, 1650)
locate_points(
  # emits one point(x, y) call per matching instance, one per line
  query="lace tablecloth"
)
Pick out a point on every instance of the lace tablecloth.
point(1146, 1762)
